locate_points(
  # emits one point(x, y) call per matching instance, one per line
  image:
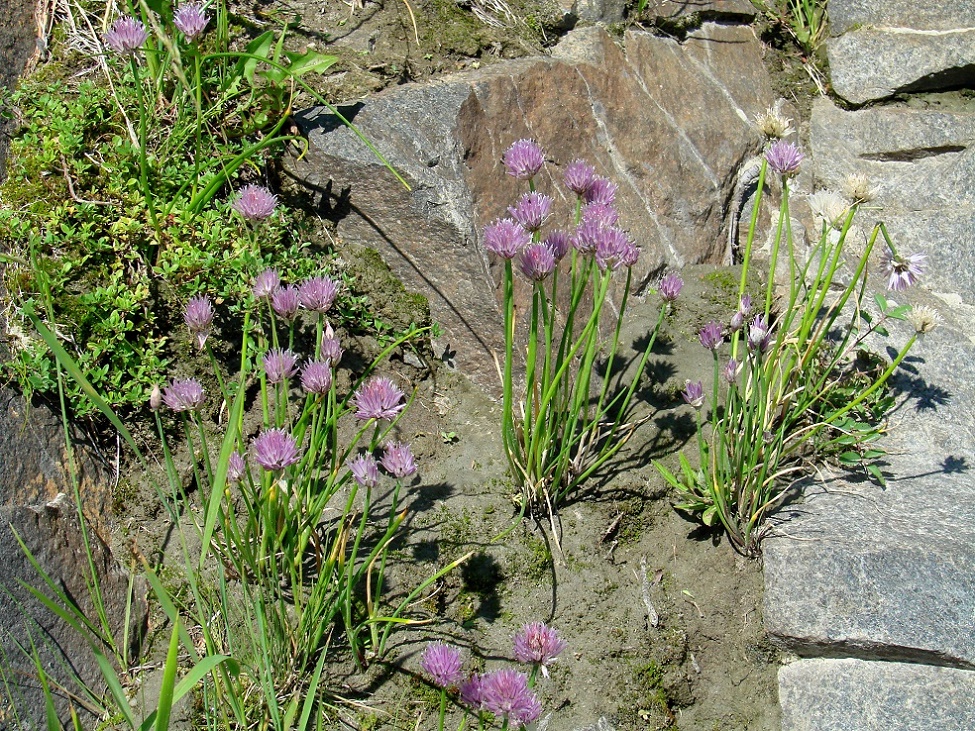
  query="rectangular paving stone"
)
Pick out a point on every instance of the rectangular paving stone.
point(857, 695)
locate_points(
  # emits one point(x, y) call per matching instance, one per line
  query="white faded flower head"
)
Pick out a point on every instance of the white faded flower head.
point(924, 319)
point(773, 124)
point(858, 189)
point(829, 207)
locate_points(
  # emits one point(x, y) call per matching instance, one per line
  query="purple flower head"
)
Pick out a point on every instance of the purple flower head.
point(279, 364)
point(711, 336)
point(759, 334)
point(903, 272)
point(579, 176)
point(693, 394)
point(331, 348)
point(316, 377)
point(536, 262)
point(236, 467)
point(275, 449)
point(265, 283)
point(587, 236)
point(126, 36)
point(255, 202)
point(524, 159)
point(783, 157)
point(602, 191)
point(191, 20)
point(506, 237)
point(184, 395)
point(284, 302)
point(613, 247)
point(199, 318)
point(538, 644)
point(378, 398)
point(317, 294)
point(365, 470)
point(731, 370)
point(630, 254)
point(559, 243)
point(532, 211)
point(600, 213)
point(744, 308)
point(506, 693)
point(442, 663)
point(398, 460)
point(470, 692)
point(670, 287)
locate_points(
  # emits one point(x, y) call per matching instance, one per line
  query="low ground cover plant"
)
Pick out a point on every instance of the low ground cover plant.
point(121, 190)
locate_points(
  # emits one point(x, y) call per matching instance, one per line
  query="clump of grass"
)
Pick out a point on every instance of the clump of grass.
point(789, 387)
point(571, 414)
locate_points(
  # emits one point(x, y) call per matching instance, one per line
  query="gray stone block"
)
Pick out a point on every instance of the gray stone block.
point(853, 695)
point(922, 163)
point(846, 15)
point(873, 63)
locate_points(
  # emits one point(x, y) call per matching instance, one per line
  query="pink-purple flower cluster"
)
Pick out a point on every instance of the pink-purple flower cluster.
point(538, 644)
point(185, 394)
point(279, 364)
point(126, 36)
point(505, 693)
point(398, 460)
point(275, 449)
point(670, 287)
point(711, 336)
point(524, 159)
point(693, 393)
point(199, 318)
point(443, 664)
point(255, 202)
point(597, 234)
point(365, 470)
point(903, 272)
point(379, 398)
point(783, 157)
point(191, 20)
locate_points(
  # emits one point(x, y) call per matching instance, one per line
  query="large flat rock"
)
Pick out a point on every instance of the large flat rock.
point(881, 48)
point(863, 571)
point(670, 122)
point(922, 162)
point(853, 695)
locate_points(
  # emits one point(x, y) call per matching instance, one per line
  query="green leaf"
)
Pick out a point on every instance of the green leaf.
point(710, 516)
point(850, 458)
point(877, 474)
point(881, 301)
point(309, 62)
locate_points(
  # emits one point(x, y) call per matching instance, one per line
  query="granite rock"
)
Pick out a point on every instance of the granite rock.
point(854, 695)
point(669, 122)
point(18, 33)
point(921, 161)
point(879, 49)
point(36, 505)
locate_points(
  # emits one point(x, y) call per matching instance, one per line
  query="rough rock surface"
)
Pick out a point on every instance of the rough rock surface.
point(921, 160)
point(725, 10)
point(843, 695)
point(36, 505)
point(857, 573)
point(670, 123)
point(17, 45)
point(881, 48)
